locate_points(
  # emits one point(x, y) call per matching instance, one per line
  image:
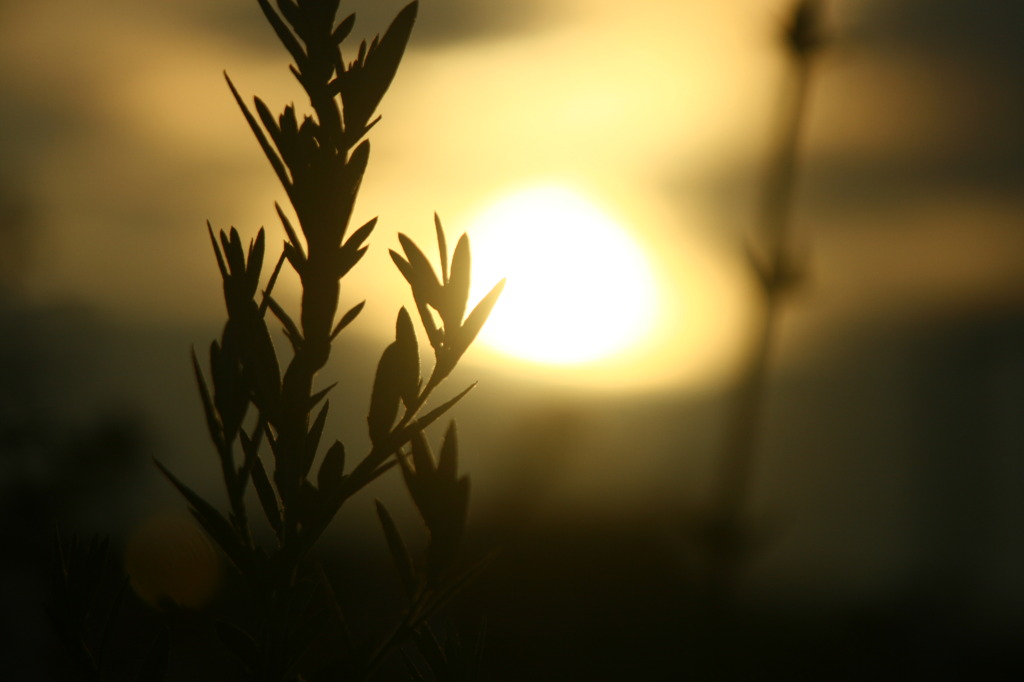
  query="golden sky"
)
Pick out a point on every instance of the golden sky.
point(122, 139)
point(140, 143)
point(119, 139)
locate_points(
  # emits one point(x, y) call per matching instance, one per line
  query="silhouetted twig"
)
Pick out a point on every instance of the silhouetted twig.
point(267, 418)
point(728, 538)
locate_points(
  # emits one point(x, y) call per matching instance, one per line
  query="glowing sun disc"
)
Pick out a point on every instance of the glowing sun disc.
point(579, 287)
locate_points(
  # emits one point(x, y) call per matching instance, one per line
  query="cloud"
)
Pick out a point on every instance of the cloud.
point(974, 29)
point(451, 21)
point(439, 22)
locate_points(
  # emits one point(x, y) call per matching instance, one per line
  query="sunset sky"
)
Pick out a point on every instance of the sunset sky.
point(122, 138)
point(119, 139)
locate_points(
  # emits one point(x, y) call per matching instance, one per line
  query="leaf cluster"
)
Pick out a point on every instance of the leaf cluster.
point(88, 598)
point(267, 416)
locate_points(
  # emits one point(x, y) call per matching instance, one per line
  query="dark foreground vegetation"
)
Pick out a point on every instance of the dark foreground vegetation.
point(271, 589)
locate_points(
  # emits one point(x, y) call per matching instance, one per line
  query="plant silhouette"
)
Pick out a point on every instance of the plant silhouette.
point(727, 538)
point(266, 416)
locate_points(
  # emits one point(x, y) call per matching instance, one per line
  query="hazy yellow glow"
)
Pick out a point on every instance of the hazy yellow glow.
point(579, 288)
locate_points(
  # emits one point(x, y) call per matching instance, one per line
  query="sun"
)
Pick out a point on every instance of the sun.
point(579, 288)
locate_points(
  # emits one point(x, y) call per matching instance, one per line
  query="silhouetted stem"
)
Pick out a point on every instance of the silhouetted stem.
point(778, 198)
point(731, 493)
point(742, 429)
point(320, 162)
point(734, 475)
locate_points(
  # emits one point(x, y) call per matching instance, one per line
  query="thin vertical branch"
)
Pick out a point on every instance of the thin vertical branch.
point(320, 160)
point(774, 266)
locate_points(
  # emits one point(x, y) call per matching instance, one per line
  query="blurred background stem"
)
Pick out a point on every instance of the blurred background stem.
point(729, 536)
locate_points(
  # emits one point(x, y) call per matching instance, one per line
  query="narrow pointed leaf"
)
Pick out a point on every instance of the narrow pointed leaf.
point(384, 396)
point(295, 342)
point(407, 355)
point(355, 168)
point(476, 319)
point(364, 84)
point(422, 458)
point(216, 250)
point(250, 448)
point(432, 416)
point(313, 439)
point(424, 278)
point(349, 260)
point(212, 420)
point(332, 469)
point(342, 30)
point(266, 495)
point(280, 461)
point(307, 503)
point(284, 317)
point(418, 483)
point(254, 263)
point(449, 461)
point(295, 257)
point(230, 391)
point(270, 285)
point(233, 252)
point(318, 396)
point(360, 477)
point(399, 552)
point(284, 34)
point(347, 318)
point(268, 150)
point(392, 45)
point(402, 265)
point(256, 250)
point(298, 75)
point(457, 291)
point(442, 247)
point(290, 231)
point(289, 123)
point(210, 519)
point(263, 370)
point(380, 471)
point(369, 126)
point(360, 235)
point(433, 333)
point(271, 127)
point(292, 15)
